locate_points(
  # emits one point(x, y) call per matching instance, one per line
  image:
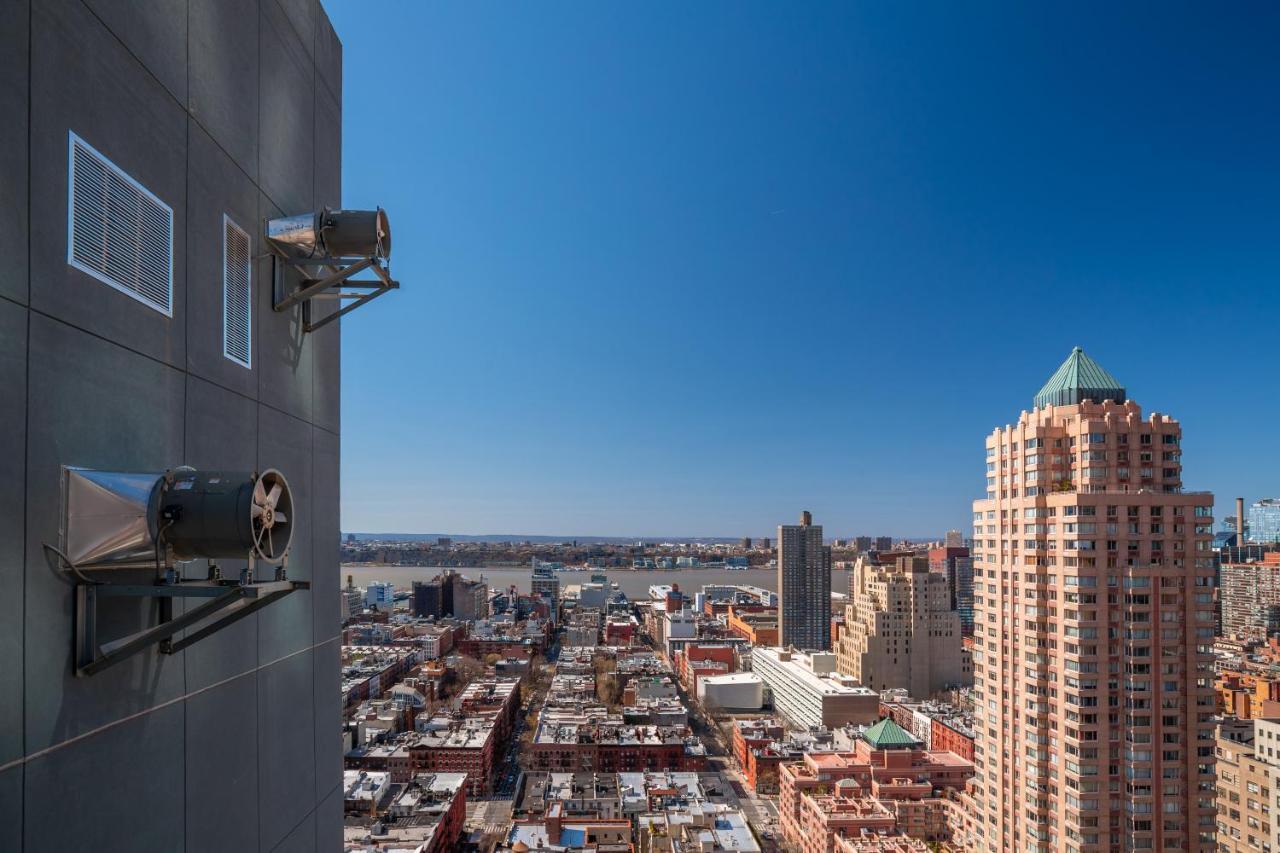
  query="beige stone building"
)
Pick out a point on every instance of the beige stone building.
point(1248, 785)
point(1094, 625)
point(899, 629)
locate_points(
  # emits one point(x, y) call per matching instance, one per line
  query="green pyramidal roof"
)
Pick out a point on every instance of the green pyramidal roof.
point(1080, 378)
point(887, 734)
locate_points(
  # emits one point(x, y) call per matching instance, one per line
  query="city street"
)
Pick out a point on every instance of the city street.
point(489, 816)
point(760, 812)
point(508, 771)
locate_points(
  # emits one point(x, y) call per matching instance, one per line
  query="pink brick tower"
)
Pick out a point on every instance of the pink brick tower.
point(1093, 598)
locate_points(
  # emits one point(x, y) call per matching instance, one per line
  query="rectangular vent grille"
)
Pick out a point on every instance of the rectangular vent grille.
point(237, 296)
point(119, 232)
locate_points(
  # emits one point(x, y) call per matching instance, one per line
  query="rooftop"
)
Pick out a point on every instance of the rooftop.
point(887, 734)
point(1078, 379)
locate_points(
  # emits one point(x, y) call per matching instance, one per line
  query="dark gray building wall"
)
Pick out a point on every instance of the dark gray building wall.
point(216, 106)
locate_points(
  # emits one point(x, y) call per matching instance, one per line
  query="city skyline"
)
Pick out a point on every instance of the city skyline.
point(646, 253)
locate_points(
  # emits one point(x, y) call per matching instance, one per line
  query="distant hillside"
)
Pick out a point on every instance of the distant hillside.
point(539, 540)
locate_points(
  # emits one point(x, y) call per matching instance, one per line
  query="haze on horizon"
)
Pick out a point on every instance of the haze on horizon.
point(668, 269)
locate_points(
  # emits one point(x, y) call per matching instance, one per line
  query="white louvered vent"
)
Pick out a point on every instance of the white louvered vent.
point(237, 296)
point(119, 231)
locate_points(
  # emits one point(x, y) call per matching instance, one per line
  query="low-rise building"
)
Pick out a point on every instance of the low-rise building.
point(427, 816)
point(735, 691)
point(619, 630)
point(761, 746)
point(806, 689)
point(370, 671)
point(698, 826)
point(939, 725)
point(889, 784)
point(757, 624)
point(1248, 695)
point(612, 746)
point(695, 661)
point(558, 830)
point(587, 794)
point(365, 792)
point(469, 744)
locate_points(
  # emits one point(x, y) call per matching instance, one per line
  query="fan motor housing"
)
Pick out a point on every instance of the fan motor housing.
point(211, 514)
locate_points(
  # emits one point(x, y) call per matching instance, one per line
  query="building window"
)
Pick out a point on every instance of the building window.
point(237, 295)
point(118, 231)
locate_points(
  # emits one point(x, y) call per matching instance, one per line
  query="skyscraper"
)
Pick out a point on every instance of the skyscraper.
point(804, 586)
point(957, 565)
point(166, 135)
point(1093, 592)
point(1264, 520)
point(426, 598)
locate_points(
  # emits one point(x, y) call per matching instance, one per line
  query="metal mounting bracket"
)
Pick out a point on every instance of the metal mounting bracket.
point(326, 278)
point(225, 602)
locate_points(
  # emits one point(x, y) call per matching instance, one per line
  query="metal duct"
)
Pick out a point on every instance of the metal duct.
point(331, 234)
point(116, 520)
point(108, 518)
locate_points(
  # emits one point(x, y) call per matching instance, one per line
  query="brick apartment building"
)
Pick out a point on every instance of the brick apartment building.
point(612, 748)
point(695, 661)
point(757, 762)
point(887, 783)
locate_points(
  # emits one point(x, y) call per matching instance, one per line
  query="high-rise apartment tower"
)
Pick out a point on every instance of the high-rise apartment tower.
point(804, 586)
point(1093, 597)
point(900, 629)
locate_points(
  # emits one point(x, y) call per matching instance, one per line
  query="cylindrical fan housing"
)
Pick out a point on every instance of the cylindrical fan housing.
point(227, 514)
point(331, 233)
point(365, 233)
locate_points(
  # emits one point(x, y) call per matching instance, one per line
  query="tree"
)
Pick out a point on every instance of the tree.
point(459, 672)
point(608, 687)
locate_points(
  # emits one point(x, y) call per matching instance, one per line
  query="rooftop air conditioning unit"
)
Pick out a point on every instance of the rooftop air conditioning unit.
point(329, 247)
point(114, 520)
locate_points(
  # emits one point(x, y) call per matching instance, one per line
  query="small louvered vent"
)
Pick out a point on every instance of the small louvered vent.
point(120, 232)
point(237, 309)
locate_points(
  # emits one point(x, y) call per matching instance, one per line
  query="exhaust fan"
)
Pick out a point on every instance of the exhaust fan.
point(329, 247)
point(125, 520)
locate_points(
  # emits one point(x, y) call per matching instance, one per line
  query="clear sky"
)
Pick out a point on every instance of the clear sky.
point(689, 268)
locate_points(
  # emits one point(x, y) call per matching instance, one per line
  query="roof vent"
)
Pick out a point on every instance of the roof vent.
point(329, 247)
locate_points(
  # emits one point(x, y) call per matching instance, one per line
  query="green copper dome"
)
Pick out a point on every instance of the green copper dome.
point(1080, 378)
point(887, 734)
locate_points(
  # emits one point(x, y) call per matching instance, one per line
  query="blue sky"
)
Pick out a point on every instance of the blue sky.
point(687, 269)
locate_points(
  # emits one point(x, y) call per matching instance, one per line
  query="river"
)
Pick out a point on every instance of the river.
point(634, 583)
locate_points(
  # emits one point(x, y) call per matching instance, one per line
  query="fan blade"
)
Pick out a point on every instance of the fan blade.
point(259, 492)
point(257, 511)
point(279, 518)
point(271, 546)
point(274, 495)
